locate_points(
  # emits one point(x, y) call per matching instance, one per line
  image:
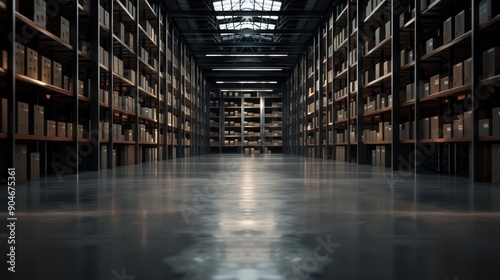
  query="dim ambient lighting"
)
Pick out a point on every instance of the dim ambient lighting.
point(246, 82)
point(247, 69)
point(247, 54)
point(246, 90)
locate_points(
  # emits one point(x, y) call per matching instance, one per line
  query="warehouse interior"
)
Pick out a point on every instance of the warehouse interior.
point(250, 139)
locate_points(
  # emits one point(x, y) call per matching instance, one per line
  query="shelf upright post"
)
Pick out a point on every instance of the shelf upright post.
point(95, 82)
point(11, 85)
point(111, 86)
point(361, 149)
point(75, 75)
point(418, 89)
point(137, 152)
point(165, 84)
point(395, 85)
point(476, 62)
point(158, 76)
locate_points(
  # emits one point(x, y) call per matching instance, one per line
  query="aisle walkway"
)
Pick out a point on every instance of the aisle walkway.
point(234, 217)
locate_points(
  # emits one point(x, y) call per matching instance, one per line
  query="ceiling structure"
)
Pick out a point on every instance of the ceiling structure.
point(242, 40)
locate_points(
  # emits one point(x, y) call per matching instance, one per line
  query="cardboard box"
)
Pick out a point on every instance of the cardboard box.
point(80, 133)
point(20, 59)
point(447, 131)
point(35, 10)
point(425, 88)
point(458, 74)
point(32, 63)
point(435, 84)
point(374, 157)
point(57, 78)
point(436, 124)
point(385, 156)
point(21, 154)
point(487, 10)
point(426, 128)
point(104, 157)
point(379, 35)
point(60, 27)
point(468, 131)
point(379, 155)
point(69, 130)
point(491, 62)
point(38, 120)
point(34, 166)
point(387, 67)
point(61, 129)
point(5, 59)
point(129, 74)
point(4, 116)
point(462, 23)
point(120, 31)
point(404, 57)
point(467, 71)
point(45, 70)
point(448, 31)
point(485, 127)
point(50, 128)
point(22, 118)
point(445, 84)
point(433, 44)
point(458, 129)
point(81, 88)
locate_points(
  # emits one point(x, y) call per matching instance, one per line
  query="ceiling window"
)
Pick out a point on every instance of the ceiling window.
point(247, 5)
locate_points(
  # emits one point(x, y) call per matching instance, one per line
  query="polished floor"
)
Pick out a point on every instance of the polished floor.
point(233, 217)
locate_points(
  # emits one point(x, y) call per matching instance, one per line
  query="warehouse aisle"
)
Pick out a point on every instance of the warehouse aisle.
point(264, 217)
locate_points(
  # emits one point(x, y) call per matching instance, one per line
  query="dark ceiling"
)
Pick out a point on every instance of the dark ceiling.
point(294, 24)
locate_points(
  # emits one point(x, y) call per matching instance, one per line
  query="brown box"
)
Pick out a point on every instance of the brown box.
point(467, 71)
point(426, 128)
point(426, 89)
point(458, 74)
point(448, 31)
point(435, 84)
point(80, 132)
point(436, 124)
point(379, 155)
point(35, 10)
point(22, 118)
point(385, 156)
point(21, 163)
point(387, 67)
point(34, 166)
point(38, 120)
point(45, 70)
point(462, 23)
point(50, 128)
point(4, 116)
point(59, 26)
point(445, 84)
point(468, 131)
point(20, 59)
point(69, 130)
point(433, 44)
point(491, 62)
point(458, 129)
point(32, 63)
point(485, 127)
point(61, 129)
point(5, 59)
point(57, 78)
point(447, 131)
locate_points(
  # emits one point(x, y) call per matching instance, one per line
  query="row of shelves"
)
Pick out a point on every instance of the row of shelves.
point(400, 74)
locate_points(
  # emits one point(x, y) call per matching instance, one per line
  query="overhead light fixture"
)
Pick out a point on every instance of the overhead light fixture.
point(247, 90)
point(247, 82)
point(247, 54)
point(247, 69)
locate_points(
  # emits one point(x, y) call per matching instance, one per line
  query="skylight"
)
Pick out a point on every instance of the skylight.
point(246, 5)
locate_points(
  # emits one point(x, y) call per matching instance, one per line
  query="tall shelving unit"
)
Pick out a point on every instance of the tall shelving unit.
point(246, 122)
point(118, 83)
point(436, 114)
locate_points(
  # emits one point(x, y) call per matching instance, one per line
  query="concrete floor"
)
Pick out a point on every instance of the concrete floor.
point(226, 217)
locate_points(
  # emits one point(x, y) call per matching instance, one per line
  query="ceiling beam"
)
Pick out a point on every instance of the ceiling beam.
point(246, 32)
point(202, 14)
